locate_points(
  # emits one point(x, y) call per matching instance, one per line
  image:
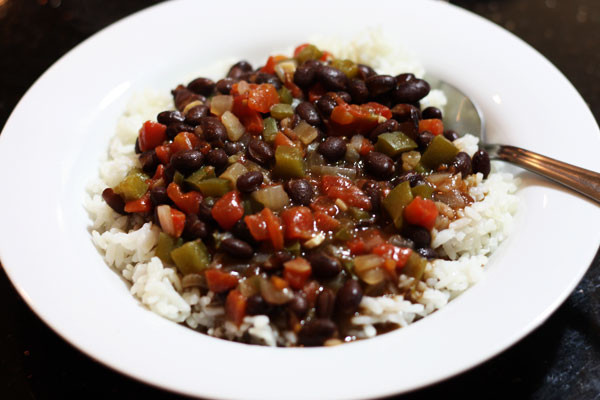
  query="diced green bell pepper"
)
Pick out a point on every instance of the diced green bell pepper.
point(269, 129)
point(440, 151)
point(289, 162)
point(310, 52)
point(166, 244)
point(281, 111)
point(294, 248)
point(133, 186)
point(285, 96)
point(395, 202)
point(192, 257)
point(251, 206)
point(203, 173)
point(414, 267)
point(359, 214)
point(348, 67)
point(178, 178)
point(214, 187)
point(425, 191)
point(394, 143)
point(344, 232)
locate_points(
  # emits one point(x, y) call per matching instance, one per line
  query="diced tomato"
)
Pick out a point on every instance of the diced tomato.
point(316, 91)
point(141, 205)
point(251, 119)
point(422, 212)
point(298, 49)
point(184, 141)
point(398, 254)
point(269, 67)
point(325, 205)
point(274, 227)
point(292, 87)
point(235, 307)
point(372, 239)
point(338, 187)
point(187, 202)
point(366, 147)
point(326, 56)
point(282, 140)
point(279, 283)
point(296, 272)
point(350, 119)
point(220, 281)
point(378, 109)
point(163, 153)
point(325, 222)
point(435, 126)
point(178, 221)
point(257, 227)
point(262, 97)
point(341, 115)
point(299, 223)
point(228, 210)
point(158, 174)
point(152, 134)
point(356, 246)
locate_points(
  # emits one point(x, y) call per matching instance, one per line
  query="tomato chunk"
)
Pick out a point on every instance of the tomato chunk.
point(296, 272)
point(188, 202)
point(262, 97)
point(299, 223)
point(422, 212)
point(399, 255)
point(338, 187)
point(257, 227)
point(141, 205)
point(274, 228)
point(152, 134)
point(435, 126)
point(220, 281)
point(184, 141)
point(235, 307)
point(325, 222)
point(228, 209)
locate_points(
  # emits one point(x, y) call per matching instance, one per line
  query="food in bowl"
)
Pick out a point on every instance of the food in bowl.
point(311, 201)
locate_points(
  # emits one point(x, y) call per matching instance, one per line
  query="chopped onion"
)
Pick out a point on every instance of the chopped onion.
point(368, 269)
point(314, 158)
point(306, 132)
point(221, 103)
point(193, 280)
point(314, 241)
point(233, 172)
point(164, 218)
point(438, 177)
point(252, 166)
point(273, 197)
point(285, 67)
point(323, 170)
point(191, 105)
point(410, 159)
point(453, 198)
point(352, 155)
point(234, 127)
point(272, 295)
point(356, 142)
point(243, 87)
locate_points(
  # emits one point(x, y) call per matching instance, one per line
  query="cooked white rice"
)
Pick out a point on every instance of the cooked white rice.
point(468, 241)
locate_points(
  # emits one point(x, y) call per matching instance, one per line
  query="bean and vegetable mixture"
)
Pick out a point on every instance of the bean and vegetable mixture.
point(295, 189)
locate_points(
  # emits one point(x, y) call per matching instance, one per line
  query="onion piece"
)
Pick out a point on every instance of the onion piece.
point(306, 132)
point(193, 280)
point(323, 170)
point(314, 158)
point(166, 221)
point(272, 295)
point(233, 172)
point(243, 87)
point(273, 197)
point(356, 142)
point(221, 103)
point(234, 127)
point(368, 268)
point(285, 67)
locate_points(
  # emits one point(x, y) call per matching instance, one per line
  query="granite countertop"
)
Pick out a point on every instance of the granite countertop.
point(559, 360)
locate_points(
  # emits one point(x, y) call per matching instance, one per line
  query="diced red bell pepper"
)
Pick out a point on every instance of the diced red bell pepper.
point(187, 202)
point(338, 187)
point(298, 49)
point(422, 212)
point(296, 272)
point(399, 255)
point(220, 281)
point(184, 141)
point(292, 87)
point(325, 222)
point(163, 153)
point(141, 205)
point(269, 67)
point(347, 119)
point(316, 91)
point(152, 134)
point(262, 97)
point(251, 119)
point(158, 174)
point(435, 126)
point(257, 227)
point(279, 283)
point(235, 307)
point(356, 246)
point(282, 140)
point(325, 205)
point(326, 56)
point(274, 227)
point(366, 147)
point(299, 223)
point(365, 241)
point(228, 210)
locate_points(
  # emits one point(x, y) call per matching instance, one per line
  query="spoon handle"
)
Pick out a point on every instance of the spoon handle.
point(581, 180)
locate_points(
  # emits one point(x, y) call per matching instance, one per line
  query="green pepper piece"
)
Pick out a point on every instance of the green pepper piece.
point(439, 151)
point(344, 233)
point(359, 214)
point(285, 96)
point(252, 206)
point(415, 266)
point(294, 248)
point(309, 52)
point(214, 187)
point(394, 143)
point(200, 175)
point(289, 162)
point(281, 111)
point(178, 178)
point(133, 186)
point(269, 129)
point(348, 67)
point(166, 244)
point(421, 169)
point(425, 191)
point(192, 257)
point(395, 202)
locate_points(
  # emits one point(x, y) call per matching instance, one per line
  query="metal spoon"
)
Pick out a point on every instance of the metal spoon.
point(462, 115)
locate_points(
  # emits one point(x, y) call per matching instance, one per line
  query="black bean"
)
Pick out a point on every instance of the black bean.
point(371, 189)
point(391, 125)
point(432, 112)
point(249, 182)
point(326, 104)
point(298, 305)
point(217, 158)
point(308, 112)
point(169, 173)
point(276, 260)
point(325, 303)
point(481, 163)
point(240, 230)
point(205, 213)
point(168, 117)
point(413, 177)
point(239, 69)
point(405, 77)
point(379, 165)
point(213, 129)
point(462, 163)
point(419, 235)
point(300, 191)
point(149, 161)
point(405, 112)
point(256, 305)
point(182, 96)
point(349, 297)
point(260, 151)
point(424, 139)
point(344, 96)
point(243, 65)
point(224, 85)
point(364, 71)
point(158, 196)
point(451, 135)
point(380, 84)
point(236, 248)
point(175, 127)
point(332, 78)
point(137, 146)
point(115, 201)
point(203, 86)
point(263, 77)
point(333, 148)
point(305, 74)
point(315, 332)
point(411, 91)
point(324, 266)
point(232, 148)
point(358, 91)
point(195, 114)
point(427, 252)
point(187, 161)
point(194, 228)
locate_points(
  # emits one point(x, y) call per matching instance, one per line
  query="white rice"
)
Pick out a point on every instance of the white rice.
point(128, 244)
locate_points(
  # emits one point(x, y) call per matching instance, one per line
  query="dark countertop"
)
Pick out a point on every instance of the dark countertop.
point(559, 360)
